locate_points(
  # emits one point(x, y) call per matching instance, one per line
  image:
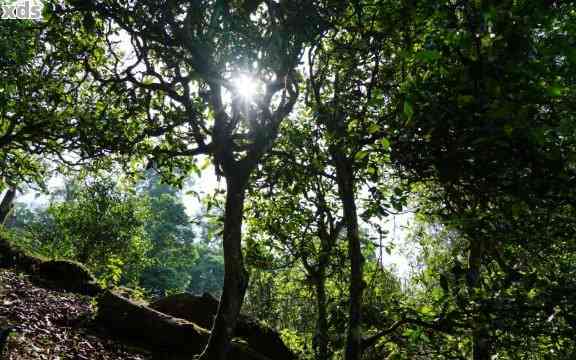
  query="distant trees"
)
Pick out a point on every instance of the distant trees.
point(173, 251)
point(98, 225)
point(183, 256)
point(142, 239)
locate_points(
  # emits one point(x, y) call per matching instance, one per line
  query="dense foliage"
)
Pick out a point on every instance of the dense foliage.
point(143, 239)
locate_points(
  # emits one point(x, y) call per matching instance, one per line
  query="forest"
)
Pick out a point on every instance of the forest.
point(288, 179)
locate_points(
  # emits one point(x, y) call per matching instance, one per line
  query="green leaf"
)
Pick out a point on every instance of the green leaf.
point(487, 40)
point(508, 129)
point(429, 55)
point(437, 294)
point(360, 155)
point(408, 110)
point(555, 90)
point(539, 136)
point(373, 128)
point(426, 310)
point(464, 100)
point(353, 124)
point(384, 143)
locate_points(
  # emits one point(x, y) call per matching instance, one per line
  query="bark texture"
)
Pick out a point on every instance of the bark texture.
point(321, 337)
point(7, 204)
point(235, 275)
point(481, 350)
point(480, 339)
point(346, 190)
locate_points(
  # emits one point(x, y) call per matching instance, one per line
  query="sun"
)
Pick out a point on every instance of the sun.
point(245, 86)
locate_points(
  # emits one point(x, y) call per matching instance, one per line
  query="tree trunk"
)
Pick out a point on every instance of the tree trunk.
point(345, 176)
point(480, 341)
point(6, 205)
point(321, 338)
point(235, 275)
point(354, 336)
point(480, 350)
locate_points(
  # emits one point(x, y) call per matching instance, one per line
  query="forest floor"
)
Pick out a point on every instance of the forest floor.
point(51, 325)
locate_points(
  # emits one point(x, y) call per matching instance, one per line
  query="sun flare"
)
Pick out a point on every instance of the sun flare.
point(245, 86)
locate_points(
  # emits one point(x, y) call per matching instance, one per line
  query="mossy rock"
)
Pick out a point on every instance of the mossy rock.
point(201, 310)
point(147, 327)
point(134, 295)
point(68, 276)
point(198, 309)
point(169, 338)
point(55, 274)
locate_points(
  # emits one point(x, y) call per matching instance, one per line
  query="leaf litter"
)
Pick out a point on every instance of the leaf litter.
point(51, 325)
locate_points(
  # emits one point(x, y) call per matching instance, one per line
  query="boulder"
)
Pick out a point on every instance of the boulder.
point(68, 276)
point(198, 309)
point(55, 274)
point(166, 336)
point(201, 310)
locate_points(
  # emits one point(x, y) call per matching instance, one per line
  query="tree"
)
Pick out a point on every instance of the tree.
point(45, 105)
point(173, 253)
point(207, 274)
point(296, 216)
point(96, 224)
point(185, 54)
point(296, 210)
point(7, 205)
point(28, 127)
point(471, 102)
point(514, 300)
point(345, 87)
point(482, 125)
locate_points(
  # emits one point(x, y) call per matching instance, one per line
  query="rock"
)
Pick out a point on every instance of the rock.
point(168, 337)
point(56, 274)
point(66, 275)
point(201, 311)
point(134, 295)
point(263, 339)
point(198, 309)
point(153, 329)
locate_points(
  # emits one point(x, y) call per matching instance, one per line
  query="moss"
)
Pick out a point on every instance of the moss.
point(135, 295)
point(147, 327)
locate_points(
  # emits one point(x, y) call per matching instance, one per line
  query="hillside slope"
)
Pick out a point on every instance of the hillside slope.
point(52, 325)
